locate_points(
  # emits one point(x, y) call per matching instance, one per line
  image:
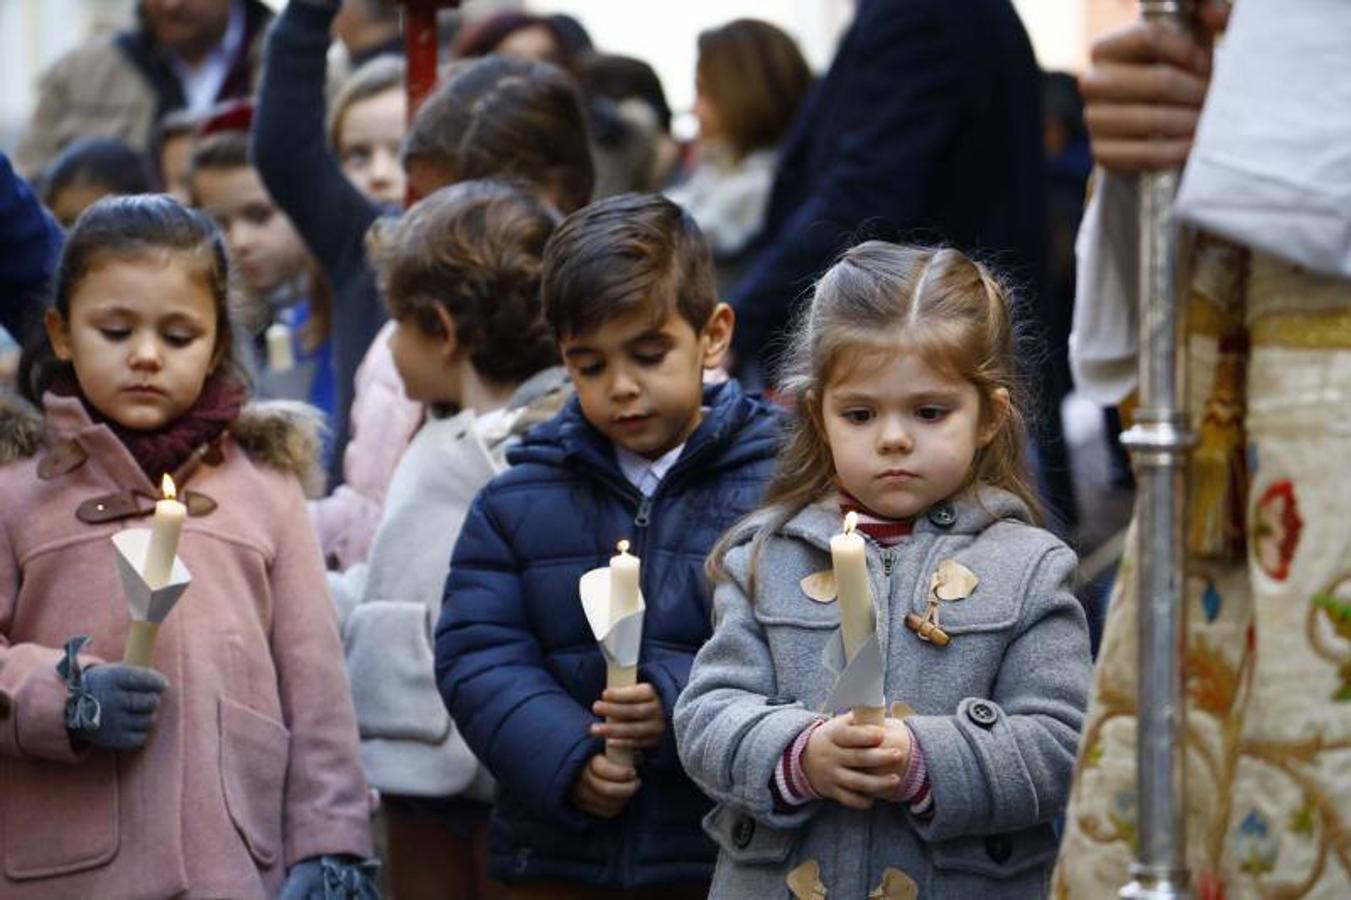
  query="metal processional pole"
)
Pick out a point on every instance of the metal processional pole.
point(1159, 443)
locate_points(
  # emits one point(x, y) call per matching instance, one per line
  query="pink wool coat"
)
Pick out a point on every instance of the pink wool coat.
point(252, 764)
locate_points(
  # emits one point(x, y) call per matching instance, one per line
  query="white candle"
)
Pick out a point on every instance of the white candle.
point(623, 583)
point(280, 357)
point(852, 587)
point(164, 531)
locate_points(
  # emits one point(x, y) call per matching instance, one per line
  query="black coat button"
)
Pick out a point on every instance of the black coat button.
point(982, 713)
point(778, 700)
point(742, 832)
point(999, 847)
point(943, 515)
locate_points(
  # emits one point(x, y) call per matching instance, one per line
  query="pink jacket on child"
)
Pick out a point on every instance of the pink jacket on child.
point(252, 765)
point(383, 422)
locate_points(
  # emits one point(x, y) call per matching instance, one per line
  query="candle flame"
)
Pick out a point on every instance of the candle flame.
point(850, 522)
point(167, 486)
point(622, 546)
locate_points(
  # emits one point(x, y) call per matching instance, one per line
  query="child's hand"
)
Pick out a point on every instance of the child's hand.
point(127, 699)
point(604, 789)
point(636, 717)
point(896, 738)
point(841, 760)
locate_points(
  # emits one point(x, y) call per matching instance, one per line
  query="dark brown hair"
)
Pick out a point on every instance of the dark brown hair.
point(756, 76)
point(153, 227)
point(627, 252)
point(474, 248)
point(881, 298)
point(508, 118)
point(230, 150)
point(484, 36)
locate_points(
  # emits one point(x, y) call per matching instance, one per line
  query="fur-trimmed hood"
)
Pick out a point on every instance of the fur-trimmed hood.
point(282, 434)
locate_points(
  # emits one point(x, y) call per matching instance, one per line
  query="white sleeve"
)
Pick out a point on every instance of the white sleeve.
point(1104, 341)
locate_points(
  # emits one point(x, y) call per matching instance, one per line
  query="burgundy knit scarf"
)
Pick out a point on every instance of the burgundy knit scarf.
point(165, 449)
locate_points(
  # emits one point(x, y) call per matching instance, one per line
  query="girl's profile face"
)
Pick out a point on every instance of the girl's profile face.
point(141, 336)
point(368, 145)
point(903, 435)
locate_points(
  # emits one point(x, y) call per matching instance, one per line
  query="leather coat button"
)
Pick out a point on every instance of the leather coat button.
point(999, 847)
point(943, 515)
point(742, 832)
point(982, 714)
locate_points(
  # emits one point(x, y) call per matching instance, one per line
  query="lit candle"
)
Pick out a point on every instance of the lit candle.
point(280, 357)
point(852, 587)
point(623, 601)
point(164, 531)
point(623, 583)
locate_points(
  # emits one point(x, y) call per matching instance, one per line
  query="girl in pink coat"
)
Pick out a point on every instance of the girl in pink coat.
point(230, 768)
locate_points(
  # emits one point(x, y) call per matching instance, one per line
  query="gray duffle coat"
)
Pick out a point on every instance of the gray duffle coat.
point(997, 711)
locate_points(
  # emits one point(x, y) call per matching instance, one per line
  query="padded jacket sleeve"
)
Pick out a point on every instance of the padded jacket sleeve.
point(516, 717)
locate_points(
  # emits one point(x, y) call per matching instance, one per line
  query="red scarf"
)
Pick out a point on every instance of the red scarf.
point(165, 449)
point(886, 532)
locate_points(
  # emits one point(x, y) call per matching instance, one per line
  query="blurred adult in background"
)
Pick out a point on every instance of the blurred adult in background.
point(927, 125)
point(180, 53)
point(749, 82)
point(367, 29)
point(89, 169)
point(632, 90)
point(626, 144)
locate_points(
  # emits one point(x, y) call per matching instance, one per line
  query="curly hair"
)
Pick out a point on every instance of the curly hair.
point(474, 248)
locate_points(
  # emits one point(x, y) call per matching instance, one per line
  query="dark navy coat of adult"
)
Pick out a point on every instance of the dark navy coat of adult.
point(926, 128)
point(518, 666)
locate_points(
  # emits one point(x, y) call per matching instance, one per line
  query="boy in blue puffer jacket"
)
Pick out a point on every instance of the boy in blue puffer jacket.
point(644, 452)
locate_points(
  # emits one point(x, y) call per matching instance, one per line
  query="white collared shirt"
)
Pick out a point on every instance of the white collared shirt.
point(643, 473)
point(201, 83)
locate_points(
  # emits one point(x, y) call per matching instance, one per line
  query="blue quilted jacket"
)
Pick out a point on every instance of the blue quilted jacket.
point(518, 667)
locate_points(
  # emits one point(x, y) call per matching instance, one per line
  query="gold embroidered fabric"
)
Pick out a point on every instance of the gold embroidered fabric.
point(1268, 656)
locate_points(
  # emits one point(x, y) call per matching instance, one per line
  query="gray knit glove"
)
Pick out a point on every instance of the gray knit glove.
point(109, 705)
point(331, 878)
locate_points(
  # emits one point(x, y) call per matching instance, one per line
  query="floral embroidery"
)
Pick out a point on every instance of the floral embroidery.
point(1211, 602)
point(1209, 886)
point(1276, 530)
point(1212, 681)
point(1257, 848)
point(1334, 603)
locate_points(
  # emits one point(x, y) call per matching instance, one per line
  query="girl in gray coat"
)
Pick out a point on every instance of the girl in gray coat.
point(902, 370)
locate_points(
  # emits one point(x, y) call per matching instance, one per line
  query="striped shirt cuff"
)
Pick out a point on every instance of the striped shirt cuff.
point(790, 785)
point(915, 788)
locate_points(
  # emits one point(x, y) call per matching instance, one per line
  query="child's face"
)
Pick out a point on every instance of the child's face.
point(74, 198)
point(640, 382)
point(174, 156)
point(902, 435)
point(368, 145)
point(264, 246)
point(141, 336)
point(424, 362)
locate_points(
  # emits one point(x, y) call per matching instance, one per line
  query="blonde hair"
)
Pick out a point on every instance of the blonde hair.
point(936, 302)
point(371, 79)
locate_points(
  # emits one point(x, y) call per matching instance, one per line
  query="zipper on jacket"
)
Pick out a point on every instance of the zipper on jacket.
point(644, 516)
point(888, 562)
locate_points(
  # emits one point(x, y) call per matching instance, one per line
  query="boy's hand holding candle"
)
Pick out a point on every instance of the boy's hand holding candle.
point(614, 609)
